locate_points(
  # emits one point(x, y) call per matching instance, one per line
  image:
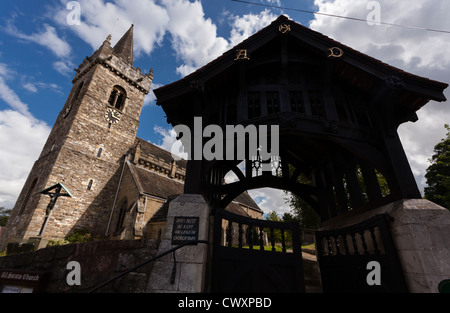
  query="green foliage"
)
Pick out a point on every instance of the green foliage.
point(4, 216)
point(307, 216)
point(303, 212)
point(287, 217)
point(273, 216)
point(438, 173)
point(78, 235)
point(58, 242)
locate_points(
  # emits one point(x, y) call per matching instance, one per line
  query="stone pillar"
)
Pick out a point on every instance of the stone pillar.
point(191, 268)
point(421, 232)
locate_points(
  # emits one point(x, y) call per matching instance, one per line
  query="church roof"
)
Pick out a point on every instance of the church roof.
point(162, 186)
point(154, 184)
point(349, 60)
point(150, 150)
point(245, 199)
point(233, 207)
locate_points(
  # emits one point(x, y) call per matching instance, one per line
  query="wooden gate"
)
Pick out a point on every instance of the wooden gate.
point(344, 254)
point(251, 255)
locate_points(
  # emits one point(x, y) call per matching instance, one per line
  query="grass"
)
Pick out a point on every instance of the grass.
point(311, 246)
point(278, 248)
point(266, 248)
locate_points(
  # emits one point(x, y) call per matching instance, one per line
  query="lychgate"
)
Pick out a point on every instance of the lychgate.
point(337, 111)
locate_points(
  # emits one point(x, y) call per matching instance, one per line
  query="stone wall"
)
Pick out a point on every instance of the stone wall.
point(99, 261)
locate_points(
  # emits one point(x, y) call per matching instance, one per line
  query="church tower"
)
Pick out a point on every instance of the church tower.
point(86, 149)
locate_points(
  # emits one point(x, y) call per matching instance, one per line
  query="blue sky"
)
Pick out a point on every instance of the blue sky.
point(39, 50)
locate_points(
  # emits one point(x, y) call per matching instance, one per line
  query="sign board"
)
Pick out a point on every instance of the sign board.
point(14, 281)
point(184, 229)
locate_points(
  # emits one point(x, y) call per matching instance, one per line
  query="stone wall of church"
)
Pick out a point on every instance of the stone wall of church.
point(129, 193)
point(140, 208)
point(152, 206)
point(85, 154)
point(99, 261)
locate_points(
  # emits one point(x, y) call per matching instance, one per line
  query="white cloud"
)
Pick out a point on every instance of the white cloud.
point(65, 67)
point(100, 18)
point(417, 51)
point(269, 200)
point(391, 44)
point(47, 38)
point(22, 139)
point(194, 37)
point(169, 141)
point(151, 98)
point(30, 87)
point(273, 2)
point(248, 24)
point(12, 99)
point(35, 87)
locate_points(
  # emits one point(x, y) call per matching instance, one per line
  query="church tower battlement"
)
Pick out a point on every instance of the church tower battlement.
point(86, 149)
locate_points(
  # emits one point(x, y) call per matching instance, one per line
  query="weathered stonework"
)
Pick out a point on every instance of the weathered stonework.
point(99, 261)
point(72, 154)
point(191, 260)
point(118, 181)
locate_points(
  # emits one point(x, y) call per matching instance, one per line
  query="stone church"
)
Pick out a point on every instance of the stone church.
point(105, 179)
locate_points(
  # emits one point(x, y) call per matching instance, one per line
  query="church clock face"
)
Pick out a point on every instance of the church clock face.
point(112, 116)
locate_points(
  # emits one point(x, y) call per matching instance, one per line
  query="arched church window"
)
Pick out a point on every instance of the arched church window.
point(122, 211)
point(89, 187)
point(117, 98)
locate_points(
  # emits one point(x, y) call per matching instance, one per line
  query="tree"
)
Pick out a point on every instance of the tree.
point(273, 216)
point(303, 212)
point(287, 218)
point(4, 215)
point(438, 173)
point(309, 218)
